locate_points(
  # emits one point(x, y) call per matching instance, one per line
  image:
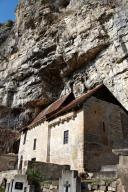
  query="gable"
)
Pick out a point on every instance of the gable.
point(69, 103)
point(51, 109)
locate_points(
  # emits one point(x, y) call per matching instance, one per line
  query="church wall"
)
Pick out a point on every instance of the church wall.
point(40, 133)
point(72, 152)
point(94, 132)
point(103, 133)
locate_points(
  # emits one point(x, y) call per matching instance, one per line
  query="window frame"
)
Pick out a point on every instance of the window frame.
point(34, 144)
point(24, 139)
point(33, 159)
point(66, 137)
point(104, 127)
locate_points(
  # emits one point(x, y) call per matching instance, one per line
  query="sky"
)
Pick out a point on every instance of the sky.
point(7, 10)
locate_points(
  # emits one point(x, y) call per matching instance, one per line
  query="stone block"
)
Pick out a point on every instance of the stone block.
point(94, 187)
point(96, 191)
point(103, 188)
point(89, 187)
point(113, 184)
point(55, 186)
point(111, 188)
point(51, 187)
point(102, 182)
point(45, 190)
point(53, 190)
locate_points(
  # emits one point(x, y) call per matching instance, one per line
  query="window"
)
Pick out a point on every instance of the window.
point(25, 135)
point(21, 162)
point(25, 189)
point(19, 185)
point(66, 136)
point(33, 159)
point(103, 127)
point(34, 145)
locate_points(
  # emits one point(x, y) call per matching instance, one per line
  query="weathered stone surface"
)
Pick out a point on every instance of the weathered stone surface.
point(111, 188)
point(54, 44)
point(8, 141)
point(103, 185)
point(8, 162)
point(123, 174)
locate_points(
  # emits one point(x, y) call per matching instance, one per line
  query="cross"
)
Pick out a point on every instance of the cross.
point(66, 186)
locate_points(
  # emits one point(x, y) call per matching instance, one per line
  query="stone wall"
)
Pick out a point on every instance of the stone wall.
point(8, 175)
point(99, 185)
point(103, 132)
point(93, 132)
point(8, 162)
point(54, 178)
point(47, 175)
point(7, 140)
point(47, 170)
point(123, 173)
point(49, 143)
point(70, 153)
point(40, 133)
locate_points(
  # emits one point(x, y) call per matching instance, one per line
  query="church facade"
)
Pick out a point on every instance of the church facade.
point(81, 132)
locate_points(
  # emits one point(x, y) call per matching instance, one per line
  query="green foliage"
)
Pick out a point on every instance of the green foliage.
point(44, 1)
point(9, 23)
point(34, 178)
point(96, 181)
point(32, 174)
point(2, 189)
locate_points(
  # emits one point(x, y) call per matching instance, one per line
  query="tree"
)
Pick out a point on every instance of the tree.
point(9, 23)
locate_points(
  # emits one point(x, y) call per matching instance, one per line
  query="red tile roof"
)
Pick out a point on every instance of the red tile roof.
point(77, 101)
point(53, 108)
point(62, 105)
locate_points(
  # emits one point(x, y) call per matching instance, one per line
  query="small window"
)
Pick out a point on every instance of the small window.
point(25, 189)
point(19, 185)
point(25, 135)
point(33, 159)
point(103, 127)
point(21, 162)
point(34, 145)
point(66, 136)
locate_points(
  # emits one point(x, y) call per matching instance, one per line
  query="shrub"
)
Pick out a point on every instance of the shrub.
point(2, 189)
point(9, 23)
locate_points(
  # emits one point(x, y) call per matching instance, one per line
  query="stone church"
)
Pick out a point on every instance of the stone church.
point(81, 132)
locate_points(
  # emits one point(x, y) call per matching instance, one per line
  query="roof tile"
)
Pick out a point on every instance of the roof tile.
point(60, 106)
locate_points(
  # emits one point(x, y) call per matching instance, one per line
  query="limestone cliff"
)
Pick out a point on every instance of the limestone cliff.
point(58, 45)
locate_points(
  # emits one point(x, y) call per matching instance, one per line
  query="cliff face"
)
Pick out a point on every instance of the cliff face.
point(56, 46)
